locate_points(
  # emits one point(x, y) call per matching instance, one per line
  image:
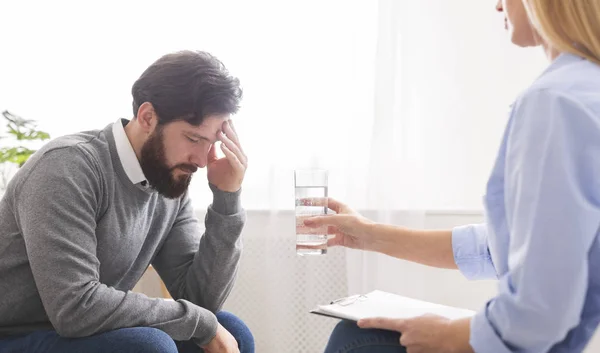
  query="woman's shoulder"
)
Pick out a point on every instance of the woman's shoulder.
point(569, 78)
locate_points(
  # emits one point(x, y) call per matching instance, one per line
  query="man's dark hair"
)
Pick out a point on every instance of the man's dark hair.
point(187, 85)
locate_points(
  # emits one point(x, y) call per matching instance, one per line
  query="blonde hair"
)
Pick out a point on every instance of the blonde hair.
point(571, 26)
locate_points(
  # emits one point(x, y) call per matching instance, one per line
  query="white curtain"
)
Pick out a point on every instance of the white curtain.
point(402, 101)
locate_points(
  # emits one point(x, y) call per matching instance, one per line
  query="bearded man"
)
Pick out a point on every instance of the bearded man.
point(89, 212)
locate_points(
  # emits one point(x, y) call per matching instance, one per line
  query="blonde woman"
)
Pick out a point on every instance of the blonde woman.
point(541, 239)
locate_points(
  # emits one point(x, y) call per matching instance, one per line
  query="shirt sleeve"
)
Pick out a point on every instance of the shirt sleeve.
point(471, 252)
point(203, 268)
point(553, 218)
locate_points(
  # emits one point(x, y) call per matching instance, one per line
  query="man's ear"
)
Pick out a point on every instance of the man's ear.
point(147, 118)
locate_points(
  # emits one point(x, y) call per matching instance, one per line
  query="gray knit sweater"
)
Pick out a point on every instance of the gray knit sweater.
point(76, 235)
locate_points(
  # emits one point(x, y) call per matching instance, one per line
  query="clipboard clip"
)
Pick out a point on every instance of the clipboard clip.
point(349, 300)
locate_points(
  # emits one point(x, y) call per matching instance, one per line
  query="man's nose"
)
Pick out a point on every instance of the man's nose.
point(200, 158)
point(199, 162)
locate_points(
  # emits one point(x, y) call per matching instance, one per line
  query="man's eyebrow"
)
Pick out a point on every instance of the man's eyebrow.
point(198, 136)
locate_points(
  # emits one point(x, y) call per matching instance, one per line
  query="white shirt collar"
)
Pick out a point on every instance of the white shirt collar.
point(127, 155)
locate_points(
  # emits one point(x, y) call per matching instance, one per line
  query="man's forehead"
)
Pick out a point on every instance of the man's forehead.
point(208, 130)
point(212, 122)
point(210, 126)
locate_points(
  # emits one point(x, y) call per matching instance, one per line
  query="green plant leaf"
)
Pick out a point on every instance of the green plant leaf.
point(18, 155)
point(13, 131)
point(35, 135)
point(23, 130)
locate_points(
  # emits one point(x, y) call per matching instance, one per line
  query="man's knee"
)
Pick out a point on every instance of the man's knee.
point(238, 330)
point(142, 339)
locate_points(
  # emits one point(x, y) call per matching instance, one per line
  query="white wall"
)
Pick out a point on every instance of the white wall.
point(70, 66)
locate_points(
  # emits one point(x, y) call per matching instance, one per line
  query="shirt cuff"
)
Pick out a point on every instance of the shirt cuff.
point(226, 203)
point(471, 252)
point(484, 338)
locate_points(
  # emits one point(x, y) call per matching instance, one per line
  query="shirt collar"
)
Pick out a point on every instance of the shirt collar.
point(129, 160)
point(563, 59)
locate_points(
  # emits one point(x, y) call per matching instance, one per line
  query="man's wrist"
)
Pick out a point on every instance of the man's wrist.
point(224, 202)
point(207, 331)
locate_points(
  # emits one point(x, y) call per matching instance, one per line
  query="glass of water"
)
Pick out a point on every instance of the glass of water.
point(311, 200)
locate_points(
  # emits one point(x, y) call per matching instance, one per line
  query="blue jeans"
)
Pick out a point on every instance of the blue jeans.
point(349, 338)
point(126, 340)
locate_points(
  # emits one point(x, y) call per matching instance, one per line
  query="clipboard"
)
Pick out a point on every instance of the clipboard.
point(383, 304)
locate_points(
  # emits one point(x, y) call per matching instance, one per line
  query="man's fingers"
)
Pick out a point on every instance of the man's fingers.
point(212, 154)
point(234, 148)
point(381, 323)
point(232, 128)
point(230, 132)
point(233, 159)
point(232, 125)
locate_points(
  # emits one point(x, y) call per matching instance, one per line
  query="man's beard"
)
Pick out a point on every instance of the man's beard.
point(158, 173)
